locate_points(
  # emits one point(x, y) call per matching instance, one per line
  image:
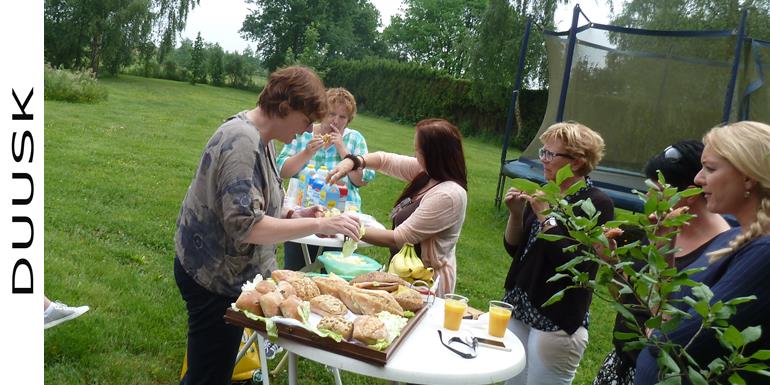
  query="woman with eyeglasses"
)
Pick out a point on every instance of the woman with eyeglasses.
point(735, 178)
point(679, 164)
point(430, 211)
point(554, 336)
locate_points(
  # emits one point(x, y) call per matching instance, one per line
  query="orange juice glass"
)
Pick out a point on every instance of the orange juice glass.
point(499, 314)
point(454, 309)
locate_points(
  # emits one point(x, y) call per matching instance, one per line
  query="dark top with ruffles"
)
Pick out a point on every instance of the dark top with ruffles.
point(536, 260)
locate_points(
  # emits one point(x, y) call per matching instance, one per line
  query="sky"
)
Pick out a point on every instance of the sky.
point(219, 20)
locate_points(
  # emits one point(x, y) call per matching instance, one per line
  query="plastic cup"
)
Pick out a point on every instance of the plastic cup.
point(499, 314)
point(454, 309)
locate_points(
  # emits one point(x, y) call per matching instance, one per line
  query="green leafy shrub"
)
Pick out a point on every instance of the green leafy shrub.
point(72, 86)
point(651, 285)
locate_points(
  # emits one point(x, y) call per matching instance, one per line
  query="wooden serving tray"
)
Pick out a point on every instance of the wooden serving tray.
point(298, 334)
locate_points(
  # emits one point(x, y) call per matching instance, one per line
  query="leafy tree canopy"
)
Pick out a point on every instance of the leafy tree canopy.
point(347, 28)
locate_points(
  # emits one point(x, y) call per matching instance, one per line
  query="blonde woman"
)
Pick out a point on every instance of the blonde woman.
point(736, 180)
point(554, 336)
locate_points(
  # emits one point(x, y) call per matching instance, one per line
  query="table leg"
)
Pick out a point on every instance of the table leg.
point(306, 254)
point(292, 368)
point(337, 378)
point(246, 347)
point(263, 360)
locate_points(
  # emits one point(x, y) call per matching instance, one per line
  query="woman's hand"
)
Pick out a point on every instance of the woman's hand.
point(309, 212)
point(335, 139)
point(340, 171)
point(515, 200)
point(344, 224)
point(314, 145)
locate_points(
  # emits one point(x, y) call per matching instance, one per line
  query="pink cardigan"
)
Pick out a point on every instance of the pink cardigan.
point(436, 223)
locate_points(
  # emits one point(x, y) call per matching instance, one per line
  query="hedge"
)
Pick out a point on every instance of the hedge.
point(408, 92)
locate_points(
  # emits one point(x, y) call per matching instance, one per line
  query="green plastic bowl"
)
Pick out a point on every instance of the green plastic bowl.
point(350, 269)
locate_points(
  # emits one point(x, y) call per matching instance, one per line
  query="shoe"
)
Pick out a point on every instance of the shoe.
point(272, 350)
point(58, 313)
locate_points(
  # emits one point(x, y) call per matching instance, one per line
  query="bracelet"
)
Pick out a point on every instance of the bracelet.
point(289, 213)
point(355, 160)
point(363, 162)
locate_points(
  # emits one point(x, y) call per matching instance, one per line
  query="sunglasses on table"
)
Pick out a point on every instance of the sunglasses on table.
point(548, 155)
point(463, 347)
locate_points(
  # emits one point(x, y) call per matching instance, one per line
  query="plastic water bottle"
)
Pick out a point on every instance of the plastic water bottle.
point(322, 173)
point(330, 196)
point(314, 191)
point(305, 176)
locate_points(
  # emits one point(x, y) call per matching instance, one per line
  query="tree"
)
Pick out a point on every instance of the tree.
point(216, 65)
point(81, 33)
point(347, 27)
point(198, 63)
point(311, 55)
point(696, 15)
point(437, 33)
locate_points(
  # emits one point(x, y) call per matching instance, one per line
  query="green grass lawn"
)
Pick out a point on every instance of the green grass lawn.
point(115, 176)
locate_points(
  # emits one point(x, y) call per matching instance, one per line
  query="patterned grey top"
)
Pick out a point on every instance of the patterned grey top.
point(236, 185)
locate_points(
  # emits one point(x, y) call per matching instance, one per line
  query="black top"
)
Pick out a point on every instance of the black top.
point(529, 274)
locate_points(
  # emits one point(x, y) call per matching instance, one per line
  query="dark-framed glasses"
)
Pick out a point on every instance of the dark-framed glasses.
point(672, 154)
point(463, 347)
point(548, 155)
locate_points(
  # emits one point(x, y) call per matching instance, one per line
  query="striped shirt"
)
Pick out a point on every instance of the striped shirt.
point(355, 144)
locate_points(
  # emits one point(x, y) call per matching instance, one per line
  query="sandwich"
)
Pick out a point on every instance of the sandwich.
point(408, 298)
point(305, 288)
point(330, 285)
point(369, 330)
point(286, 289)
point(270, 304)
point(249, 300)
point(290, 307)
point(327, 305)
point(337, 324)
point(378, 276)
point(286, 275)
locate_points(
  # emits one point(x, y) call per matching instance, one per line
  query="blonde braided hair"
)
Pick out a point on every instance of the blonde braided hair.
point(746, 145)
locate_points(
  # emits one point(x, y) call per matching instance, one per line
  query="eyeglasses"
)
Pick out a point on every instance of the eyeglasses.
point(548, 155)
point(463, 348)
point(672, 154)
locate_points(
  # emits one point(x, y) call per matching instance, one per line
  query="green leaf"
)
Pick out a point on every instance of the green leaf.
point(588, 207)
point(551, 237)
point(690, 192)
point(665, 360)
point(564, 173)
point(751, 334)
point(625, 336)
point(557, 277)
point(525, 185)
point(732, 336)
point(555, 298)
point(736, 379)
point(761, 355)
point(654, 322)
point(695, 377)
point(673, 380)
point(740, 300)
point(703, 292)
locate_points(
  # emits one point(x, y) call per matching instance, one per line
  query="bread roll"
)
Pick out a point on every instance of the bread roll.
point(265, 286)
point(408, 298)
point(249, 300)
point(286, 289)
point(327, 305)
point(270, 303)
point(337, 324)
point(330, 285)
point(305, 288)
point(286, 275)
point(289, 307)
point(369, 329)
point(378, 276)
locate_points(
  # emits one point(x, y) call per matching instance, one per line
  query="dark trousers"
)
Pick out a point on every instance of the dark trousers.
point(212, 345)
point(293, 259)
